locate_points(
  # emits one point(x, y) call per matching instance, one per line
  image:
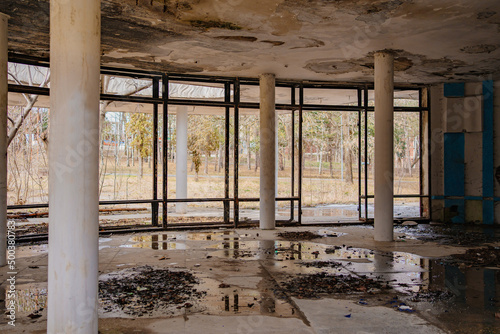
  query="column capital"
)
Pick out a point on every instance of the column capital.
point(384, 53)
point(267, 75)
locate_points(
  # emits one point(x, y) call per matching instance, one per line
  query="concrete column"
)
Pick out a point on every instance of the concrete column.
point(3, 139)
point(276, 163)
point(181, 156)
point(267, 152)
point(75, 47)
point(384, 151)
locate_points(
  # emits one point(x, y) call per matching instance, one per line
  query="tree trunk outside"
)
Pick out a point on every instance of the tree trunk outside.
point(257, 158)
point(348, 166)
point(330, 160)
point(320, 168)
point(216, 165)
point(206, 163)
point(140, 166)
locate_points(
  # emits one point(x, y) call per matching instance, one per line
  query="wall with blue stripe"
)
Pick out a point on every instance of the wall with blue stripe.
point(468, 154)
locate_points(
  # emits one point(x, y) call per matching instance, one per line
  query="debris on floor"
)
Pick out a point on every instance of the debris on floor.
point(452, 234)
point(142, 290)
point(480, 257)
point(299, 235)
point(431, 296)
point(321, 264)
point(314, 285)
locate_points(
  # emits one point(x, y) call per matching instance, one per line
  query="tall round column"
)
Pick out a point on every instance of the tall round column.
point(75, 30)
point(181, 156)
point(384, 149)
point(3, 139)
point(267, 152)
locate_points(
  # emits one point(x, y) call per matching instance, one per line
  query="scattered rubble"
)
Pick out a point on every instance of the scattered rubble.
point(431, 296)
point(299, 235)
point(314, 285)
point(480, 257)
point(142, 290)
point(452, 235)
point(321, 264)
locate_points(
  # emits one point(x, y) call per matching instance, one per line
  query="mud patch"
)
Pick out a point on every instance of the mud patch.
point(143, 290)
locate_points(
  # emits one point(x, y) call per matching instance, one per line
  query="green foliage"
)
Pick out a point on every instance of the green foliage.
point(140, 126)
point(205, 135)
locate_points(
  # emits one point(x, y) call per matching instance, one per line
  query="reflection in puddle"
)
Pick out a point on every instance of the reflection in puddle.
point(224, 299)
point(287, 250)
point(341, 212)
point(208, 236)
point(155, 241)
point(475, 296)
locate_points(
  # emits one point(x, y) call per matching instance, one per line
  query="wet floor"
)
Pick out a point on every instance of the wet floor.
point(239, 274)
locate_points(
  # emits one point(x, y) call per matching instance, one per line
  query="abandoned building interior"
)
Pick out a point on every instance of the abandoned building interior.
point(266, 166)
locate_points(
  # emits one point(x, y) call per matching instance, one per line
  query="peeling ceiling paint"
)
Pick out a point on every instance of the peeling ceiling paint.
point(433, 41)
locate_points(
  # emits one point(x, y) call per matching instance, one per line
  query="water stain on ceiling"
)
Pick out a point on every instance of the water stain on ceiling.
point(296, 39)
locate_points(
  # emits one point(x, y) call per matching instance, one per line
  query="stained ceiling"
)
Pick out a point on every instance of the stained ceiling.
point(334, 40)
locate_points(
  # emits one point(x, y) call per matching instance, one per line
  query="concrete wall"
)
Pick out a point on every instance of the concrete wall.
point(459, 128)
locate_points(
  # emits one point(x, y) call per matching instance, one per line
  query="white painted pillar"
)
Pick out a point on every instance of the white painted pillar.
point(181, 157)
point(3, 139)
point(75, 48)
point(267, 152)
point(277, 162)
point(384, 151)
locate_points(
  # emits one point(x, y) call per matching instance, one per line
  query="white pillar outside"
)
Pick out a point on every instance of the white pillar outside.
point(384, 151)
point(75, 48)
point(181, 157)
point(267, 152)
point(3, 139)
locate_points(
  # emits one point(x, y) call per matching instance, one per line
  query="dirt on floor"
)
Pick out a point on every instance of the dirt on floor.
point(140, 291)
point(300, 235)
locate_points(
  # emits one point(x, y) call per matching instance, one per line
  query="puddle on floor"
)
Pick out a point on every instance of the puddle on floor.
point(155, 241)
point(286, 250)
point(473, 297)
point(222, 299)
point(207, 296)
point(166, 241)
point(456, 295)
point(341, 212)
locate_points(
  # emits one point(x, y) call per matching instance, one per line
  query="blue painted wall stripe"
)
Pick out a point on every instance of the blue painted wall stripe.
point(488, 168)
point(488, 212)
point(456, 89)
point(454, 174)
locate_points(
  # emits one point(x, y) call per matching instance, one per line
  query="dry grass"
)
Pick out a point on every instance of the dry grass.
point(316, 189)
